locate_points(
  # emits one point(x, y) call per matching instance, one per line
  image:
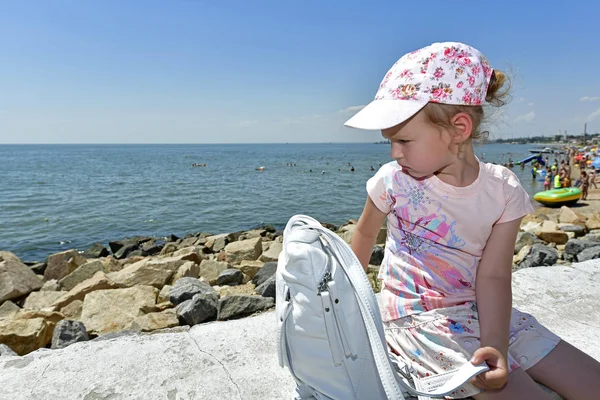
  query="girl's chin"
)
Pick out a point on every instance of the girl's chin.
point(414, 174)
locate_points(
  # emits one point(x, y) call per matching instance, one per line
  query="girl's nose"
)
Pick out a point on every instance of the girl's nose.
point(396, 151)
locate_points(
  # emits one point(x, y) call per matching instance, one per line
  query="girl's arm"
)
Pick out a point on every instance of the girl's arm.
point(366, 232)
point(494, 297)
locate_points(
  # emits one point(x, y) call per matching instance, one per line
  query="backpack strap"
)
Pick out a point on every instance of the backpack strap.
point(393, 383)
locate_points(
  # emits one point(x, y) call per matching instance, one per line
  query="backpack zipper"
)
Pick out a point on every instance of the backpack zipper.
point(335, 320)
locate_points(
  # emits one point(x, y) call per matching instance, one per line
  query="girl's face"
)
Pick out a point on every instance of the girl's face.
point(419, 147)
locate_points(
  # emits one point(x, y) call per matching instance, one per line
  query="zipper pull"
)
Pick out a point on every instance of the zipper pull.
point(332, 330)
point(341, 320)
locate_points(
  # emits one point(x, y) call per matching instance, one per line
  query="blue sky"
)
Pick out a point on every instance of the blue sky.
point(272, 71)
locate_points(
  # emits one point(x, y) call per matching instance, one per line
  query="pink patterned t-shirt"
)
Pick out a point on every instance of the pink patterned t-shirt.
point(437, 233)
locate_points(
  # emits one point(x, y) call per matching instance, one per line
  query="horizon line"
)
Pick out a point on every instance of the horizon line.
point(166, 143)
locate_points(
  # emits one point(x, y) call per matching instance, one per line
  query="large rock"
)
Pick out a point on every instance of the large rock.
point(593, 222)
point(151, 272)
point(539, 255)
point(238, 306)
point(156, 320)
point(8, 310)
point(39, 300)
point(267, 288)
point(163, 295)
point(250, 267)
point(550, 233)
point(525, 239)
point(522, 254)
point(16, 278)
point(114, 310)
point(200, 308)
point(62, 264)
point(96, 250)
point(268, 270)
point(578, 230)
point(203, 363)
point(72, 310)
point(97, 282)
point(188, 269)
point(589, 254)
point(50, 316)
point(83, 273)
point(122, 248)
point(576, 246)
point(26, 335)
point(346, 232)
point(211, 269)
point(217, 243)
point(231, 277)
point(68, 332)
point(151, 248)
point(568, 216)
point(186, 288)
point(194, 254)
point(377, 255)
point(51, 286)
point(249, 249)
point(273, 253)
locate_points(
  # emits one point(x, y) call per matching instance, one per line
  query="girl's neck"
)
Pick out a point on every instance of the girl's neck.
point(463, 171)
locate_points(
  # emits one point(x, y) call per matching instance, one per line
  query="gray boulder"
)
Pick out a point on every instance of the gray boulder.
point(238, 306)
point(200, 308)
point(377, 255)
point(267, 288)
point(525, 239)
point(589, 254)
point(267, 271)
point(96, 250)
point(151, 248)
point(122, 248)
point(38, 268)
point(578, 230)
point(539, 255)
point(68, 332)
point(576, 246)
point(185, 288)
point(230, 277)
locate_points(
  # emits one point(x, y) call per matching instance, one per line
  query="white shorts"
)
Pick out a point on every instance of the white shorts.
point(444, 339)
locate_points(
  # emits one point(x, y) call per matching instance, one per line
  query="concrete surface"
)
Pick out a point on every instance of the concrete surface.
point(237, 359)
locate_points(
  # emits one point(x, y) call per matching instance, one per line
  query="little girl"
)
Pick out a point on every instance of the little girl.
point(452, 223)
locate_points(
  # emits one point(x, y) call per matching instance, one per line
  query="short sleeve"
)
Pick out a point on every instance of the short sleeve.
point(517, 201)
point(379, 188)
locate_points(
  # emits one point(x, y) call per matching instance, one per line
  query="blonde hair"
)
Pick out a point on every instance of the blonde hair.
point(496, 96)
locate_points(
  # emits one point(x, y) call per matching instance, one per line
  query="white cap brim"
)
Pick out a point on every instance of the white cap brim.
point(383, 114)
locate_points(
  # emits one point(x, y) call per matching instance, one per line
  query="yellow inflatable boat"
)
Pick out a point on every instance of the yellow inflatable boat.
point(558, 197)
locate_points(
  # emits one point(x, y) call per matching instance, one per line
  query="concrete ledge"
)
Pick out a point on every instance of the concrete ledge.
point(238, 359)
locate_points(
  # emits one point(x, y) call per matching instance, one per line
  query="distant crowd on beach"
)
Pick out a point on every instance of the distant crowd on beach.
point(559, 174)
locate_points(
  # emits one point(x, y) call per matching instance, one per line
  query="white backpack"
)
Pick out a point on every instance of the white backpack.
point(329, 327)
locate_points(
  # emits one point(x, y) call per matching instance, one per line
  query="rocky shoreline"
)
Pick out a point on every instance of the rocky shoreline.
point(146, 284)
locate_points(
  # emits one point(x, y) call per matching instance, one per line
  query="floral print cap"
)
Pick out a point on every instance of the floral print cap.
point(448, 73)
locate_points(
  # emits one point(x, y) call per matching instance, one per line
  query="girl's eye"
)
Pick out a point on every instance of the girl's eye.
point(402, 141)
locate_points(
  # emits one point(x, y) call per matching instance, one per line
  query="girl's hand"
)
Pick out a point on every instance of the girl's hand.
point(497, 376)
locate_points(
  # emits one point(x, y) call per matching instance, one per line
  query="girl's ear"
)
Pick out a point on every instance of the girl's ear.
point(463, 125)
